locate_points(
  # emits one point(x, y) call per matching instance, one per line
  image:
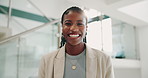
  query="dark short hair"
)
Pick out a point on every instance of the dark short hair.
point(74, 9)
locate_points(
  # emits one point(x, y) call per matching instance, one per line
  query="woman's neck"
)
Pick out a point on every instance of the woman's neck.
point(74, 49)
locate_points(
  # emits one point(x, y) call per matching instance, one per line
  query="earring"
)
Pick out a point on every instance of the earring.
point(84, 39)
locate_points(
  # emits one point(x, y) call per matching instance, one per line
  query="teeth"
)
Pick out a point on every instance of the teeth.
point(73, 35)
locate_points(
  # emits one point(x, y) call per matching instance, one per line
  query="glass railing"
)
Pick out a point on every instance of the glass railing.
point(8, 59)
point(19, 58)
point(32, 35)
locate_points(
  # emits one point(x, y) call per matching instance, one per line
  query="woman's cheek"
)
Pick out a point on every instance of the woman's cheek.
point(65, 28)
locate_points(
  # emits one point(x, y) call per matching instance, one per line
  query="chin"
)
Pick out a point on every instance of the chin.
point(74, 43)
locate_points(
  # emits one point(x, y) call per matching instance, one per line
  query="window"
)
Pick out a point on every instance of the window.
point(99, 34)
point(114, 37)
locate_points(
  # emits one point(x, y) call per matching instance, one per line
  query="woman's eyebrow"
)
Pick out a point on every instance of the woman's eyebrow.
point(80, 20)
point(67, 21)
point(71, 21)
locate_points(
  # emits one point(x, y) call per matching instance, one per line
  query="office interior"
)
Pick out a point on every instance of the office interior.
point(31, 28)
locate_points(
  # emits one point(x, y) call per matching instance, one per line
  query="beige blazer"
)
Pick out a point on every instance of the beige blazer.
point(98, 64)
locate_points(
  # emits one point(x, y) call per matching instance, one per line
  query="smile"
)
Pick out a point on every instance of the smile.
point(74, 35)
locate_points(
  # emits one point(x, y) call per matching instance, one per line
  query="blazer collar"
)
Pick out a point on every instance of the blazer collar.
point(61, 53)
point(91, 63)
point(59, 63)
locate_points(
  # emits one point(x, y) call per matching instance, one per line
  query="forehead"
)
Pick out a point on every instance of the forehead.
point(74, 16)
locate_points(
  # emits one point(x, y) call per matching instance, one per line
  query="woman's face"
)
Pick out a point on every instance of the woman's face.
point(74, 27)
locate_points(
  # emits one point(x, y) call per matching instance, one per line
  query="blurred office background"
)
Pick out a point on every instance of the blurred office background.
point(31, 28)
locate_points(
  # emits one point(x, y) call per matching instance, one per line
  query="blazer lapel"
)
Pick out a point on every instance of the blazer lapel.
point(91, 63)
point(59, 63)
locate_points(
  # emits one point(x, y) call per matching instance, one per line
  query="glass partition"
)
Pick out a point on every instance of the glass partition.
point(33, 46)
point(9, 59)
point(115, 37)
point(19, 58)
point(124, 40)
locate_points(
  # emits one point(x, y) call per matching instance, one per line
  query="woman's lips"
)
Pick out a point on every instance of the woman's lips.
point(74, 35)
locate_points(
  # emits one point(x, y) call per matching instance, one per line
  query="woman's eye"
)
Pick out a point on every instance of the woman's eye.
point(80, 24)
point(68, 24)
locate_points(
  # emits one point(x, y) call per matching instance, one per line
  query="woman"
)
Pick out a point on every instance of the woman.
point(75, 59)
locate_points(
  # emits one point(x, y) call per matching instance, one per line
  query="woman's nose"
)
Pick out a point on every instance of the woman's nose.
point(74, 28)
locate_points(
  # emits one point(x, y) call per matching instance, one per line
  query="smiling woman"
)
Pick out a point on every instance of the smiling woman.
point(74, 28)
point(74, 25)
point(75, 59)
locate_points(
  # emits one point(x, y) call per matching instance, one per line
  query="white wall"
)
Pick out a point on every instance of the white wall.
point(127, 73)
point(126, 68)
point(143, 48)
